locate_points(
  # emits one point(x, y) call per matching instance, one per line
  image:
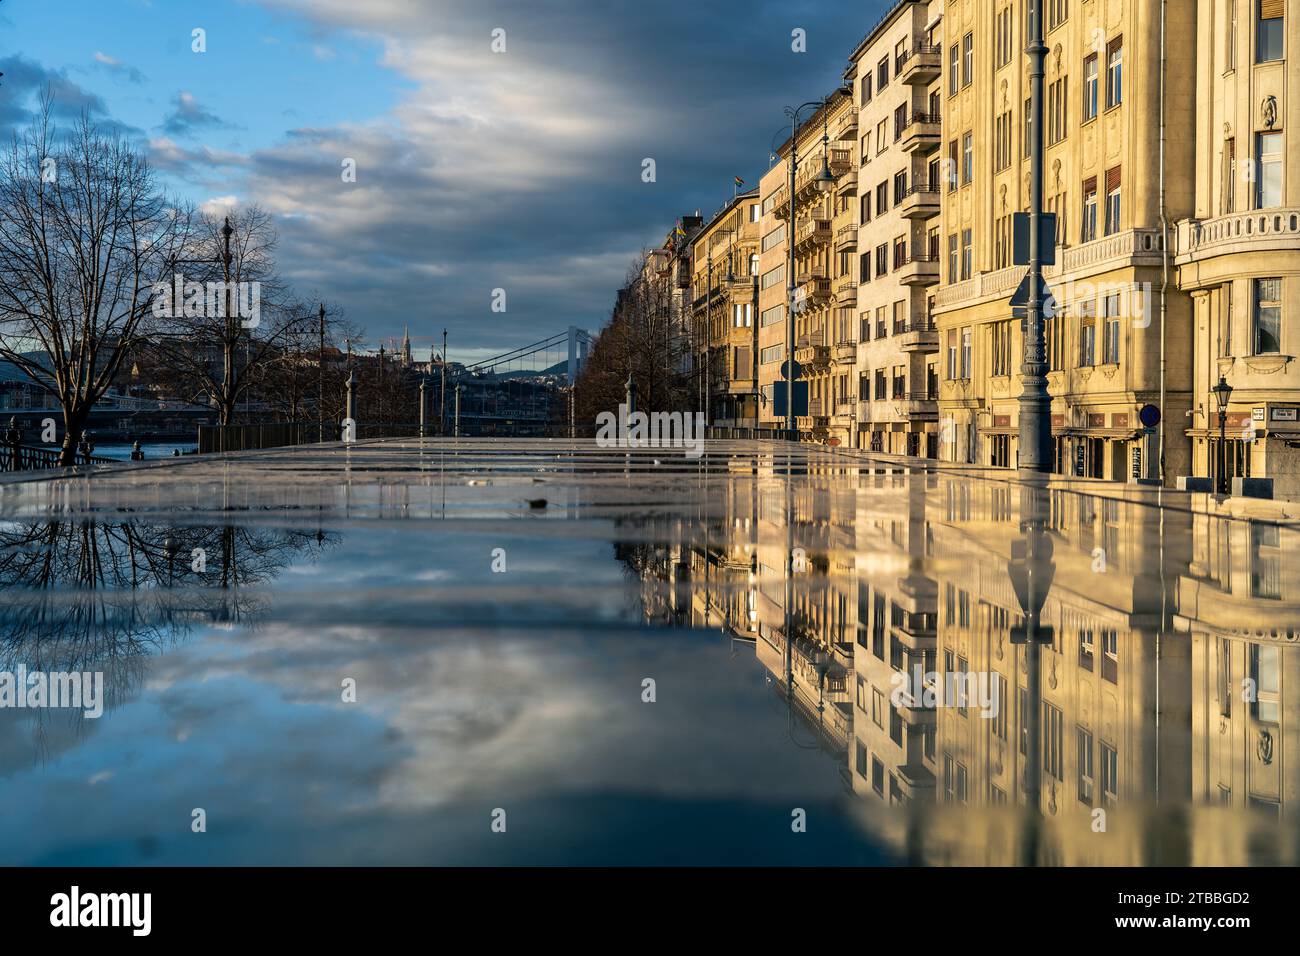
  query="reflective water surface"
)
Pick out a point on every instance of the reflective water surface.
point(772, 654)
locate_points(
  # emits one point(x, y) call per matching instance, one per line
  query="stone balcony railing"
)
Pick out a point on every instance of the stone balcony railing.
point(1137, 247)
point(1261, 230)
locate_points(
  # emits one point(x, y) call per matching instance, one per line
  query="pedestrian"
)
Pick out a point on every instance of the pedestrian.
point(137, 453)
point(14, 439)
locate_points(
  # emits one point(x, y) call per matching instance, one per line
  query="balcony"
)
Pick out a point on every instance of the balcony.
point(1262, 230)
point(921, 65)
point(920, 336)
point(781, 203)
point(918, 271)
point(846, 353)
point(922, 133)
point(811, 232)
point(846, 126)
point(915, 405)
point(812, 351)
point(813, 288)
point(920, 202)
point(846, 291)
point(846, 237)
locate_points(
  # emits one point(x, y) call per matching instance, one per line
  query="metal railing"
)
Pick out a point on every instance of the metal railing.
point(35, 458)
point(219, 438)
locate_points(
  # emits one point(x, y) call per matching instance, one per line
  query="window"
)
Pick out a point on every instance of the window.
point(774, 239)
point(1088, 230)
point(966, 254)
point(1058, 95)
point(882, 260)
point(900, 186)
point(1109, 760)
point(773, 277)
point(1268, 43)
point(900, 122)
point(967, 353)
point(967, 158)
point(1003, 41)
point(1002, 242)
point(1057, 12)
point(1230, 38)
point(954, 58)
point(1084, 745)
point(1112, 200)
point(1090, 88)
point(1268, 316)
point(952, 375)
point(1265, 562)
point(1000, 349)
point(864, 267)
point(882, 75)
point(1087, 334)
point(866, 89)
point(1053, 741)
point(1002, 146)
point(1268, 191)
point(1114, 73)
point(1229, 175)
point(742, 315)
point(952, 259)
point(755, 212)
point(1264, 671)
point(882, 199)
point(952, 165)
point(967, 59)
point(882, 136)
point(1110, 339)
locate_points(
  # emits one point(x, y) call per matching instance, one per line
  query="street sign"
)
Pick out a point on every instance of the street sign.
point(1020, 238)
point(798, 371)
point(800, 399)
point(1020, 300)
point(1149, 416)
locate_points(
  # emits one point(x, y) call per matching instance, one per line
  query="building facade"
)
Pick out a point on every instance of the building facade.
point(724, 303)
point(1119, 333)
point(895, 73)
point(1239, 254)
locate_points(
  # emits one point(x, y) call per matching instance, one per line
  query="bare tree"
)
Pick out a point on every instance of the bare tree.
point(228, 316)
point(643, 339)
point(84, 235)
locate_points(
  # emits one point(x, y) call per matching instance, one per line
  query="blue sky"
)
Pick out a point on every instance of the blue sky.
point(475, 170)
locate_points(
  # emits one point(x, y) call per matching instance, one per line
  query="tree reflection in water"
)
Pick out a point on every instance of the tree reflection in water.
point(103, 596)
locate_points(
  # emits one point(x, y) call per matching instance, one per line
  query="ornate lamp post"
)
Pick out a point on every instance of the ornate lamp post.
point(1222, 394)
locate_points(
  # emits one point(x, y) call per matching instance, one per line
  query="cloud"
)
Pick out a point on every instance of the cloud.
point(115, 66)
point(188, 115)
point(26, 81)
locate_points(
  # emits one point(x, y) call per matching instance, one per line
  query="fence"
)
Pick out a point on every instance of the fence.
point(32, 458)
point(218, 438)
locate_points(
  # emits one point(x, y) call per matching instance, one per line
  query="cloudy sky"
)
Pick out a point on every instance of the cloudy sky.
point(475, 169)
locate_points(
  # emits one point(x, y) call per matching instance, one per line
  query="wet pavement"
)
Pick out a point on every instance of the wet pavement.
point(541, 652)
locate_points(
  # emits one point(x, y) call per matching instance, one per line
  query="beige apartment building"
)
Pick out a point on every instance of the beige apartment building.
point(824, 281)
point(1120, 336)
point(1239, 257)
point(894, 251)
point(724, 303)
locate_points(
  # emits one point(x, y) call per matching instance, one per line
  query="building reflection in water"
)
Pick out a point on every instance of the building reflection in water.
point(1140, 656)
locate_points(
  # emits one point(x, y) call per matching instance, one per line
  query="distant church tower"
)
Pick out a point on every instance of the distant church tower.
point(406, 347)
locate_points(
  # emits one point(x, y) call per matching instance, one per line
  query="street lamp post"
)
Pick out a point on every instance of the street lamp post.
point(320, 380)
point(1222, 394)
point(1035, 402)
point(825, 183)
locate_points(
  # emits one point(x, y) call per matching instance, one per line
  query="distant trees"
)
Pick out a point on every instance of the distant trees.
point(84, 234)
point(644, 339)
